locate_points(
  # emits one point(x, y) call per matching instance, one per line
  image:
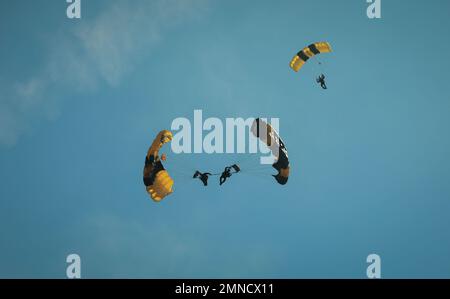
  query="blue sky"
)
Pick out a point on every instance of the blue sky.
point(81, 100)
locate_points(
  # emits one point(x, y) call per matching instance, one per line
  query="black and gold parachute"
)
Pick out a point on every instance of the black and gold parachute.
point(267, 134)
point(301, 57)
point(159, 183)
point(157, 180)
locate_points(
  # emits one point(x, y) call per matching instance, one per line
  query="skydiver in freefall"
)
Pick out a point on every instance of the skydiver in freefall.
point(321, 80)
point(227, 172)
point(202, 177)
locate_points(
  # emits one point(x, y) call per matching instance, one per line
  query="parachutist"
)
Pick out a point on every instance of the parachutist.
point(227, 172)
point(321, 80)
point(202, 177)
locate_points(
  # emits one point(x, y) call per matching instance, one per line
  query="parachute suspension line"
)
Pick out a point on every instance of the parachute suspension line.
point(317, 67)
point(321, 65)
point(215, 174)
point(182, 179)
point(258, 175)
point(183, 163)
point(245, 159)
point(257, 167)
point(318, 60)
point(178, 171)
point(265, 173)
point(182, 176)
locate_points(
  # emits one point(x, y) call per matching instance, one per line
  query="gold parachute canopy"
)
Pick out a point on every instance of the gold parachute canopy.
point(300, 59)
point(157, 180)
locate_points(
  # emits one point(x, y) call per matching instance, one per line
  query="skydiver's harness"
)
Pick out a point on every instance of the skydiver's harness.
point(227, 172)
point(321, 80)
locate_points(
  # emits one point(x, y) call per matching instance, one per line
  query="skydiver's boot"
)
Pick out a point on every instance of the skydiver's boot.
point(236, 168)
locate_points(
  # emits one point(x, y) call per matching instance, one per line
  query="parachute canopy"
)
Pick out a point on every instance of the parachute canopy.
point(270, 137)
point(299, 60)
point(156, 179)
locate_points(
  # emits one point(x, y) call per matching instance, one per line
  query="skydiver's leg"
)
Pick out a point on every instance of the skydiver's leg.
point(204, 179)
point(222, 179)
point(196, 174)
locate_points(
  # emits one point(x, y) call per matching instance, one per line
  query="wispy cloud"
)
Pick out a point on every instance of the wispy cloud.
point(137, 248)
point(101, 51)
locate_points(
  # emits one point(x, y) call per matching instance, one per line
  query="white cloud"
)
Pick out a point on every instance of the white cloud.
point(155, 248)
point(137, 250)
point(101, 51)
point(29, 89)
